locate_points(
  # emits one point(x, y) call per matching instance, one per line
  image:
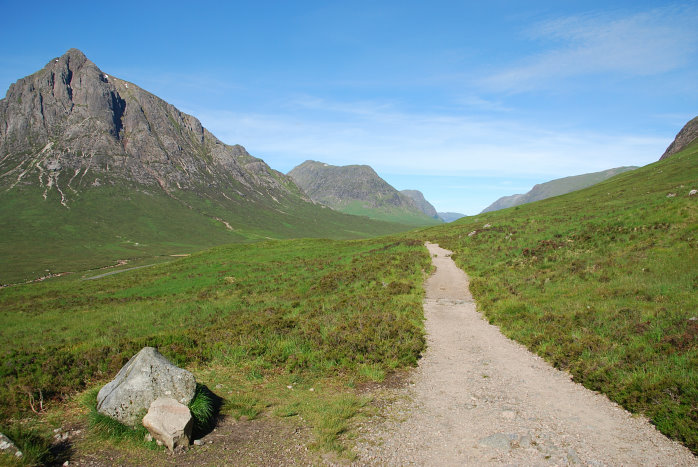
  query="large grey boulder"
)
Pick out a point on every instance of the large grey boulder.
point(145, 378)
point(169, 422)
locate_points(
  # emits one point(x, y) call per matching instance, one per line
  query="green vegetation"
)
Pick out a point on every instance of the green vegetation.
point(556, 187)
point(109, 223)
point(34, 444)
point(601, 282)
point(204, 407)
point(251, 320)
point(388, 213)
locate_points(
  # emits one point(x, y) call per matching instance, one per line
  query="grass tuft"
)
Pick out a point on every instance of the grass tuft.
point(204, 408)
point(34, 445)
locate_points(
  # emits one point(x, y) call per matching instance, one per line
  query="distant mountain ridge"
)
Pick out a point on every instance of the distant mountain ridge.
point(687, 135)
point(421, 203)
point(556, 187)
point(94, 169)
point(357, 189)
point(450, 216)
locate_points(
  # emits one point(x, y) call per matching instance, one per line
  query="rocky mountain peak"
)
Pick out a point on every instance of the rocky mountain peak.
point(76, 126)
point(687, 135)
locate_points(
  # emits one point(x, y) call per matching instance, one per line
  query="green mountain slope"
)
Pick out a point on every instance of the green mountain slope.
point(556, 187)
point(94, 169)
point(602, 282)
point(422, 204)
point(358, 190)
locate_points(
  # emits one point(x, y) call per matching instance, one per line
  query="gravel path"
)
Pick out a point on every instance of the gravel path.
point(479, 398)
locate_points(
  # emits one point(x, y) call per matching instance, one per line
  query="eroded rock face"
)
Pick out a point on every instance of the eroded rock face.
point(145, 378)
point(686, 136)
point(169, 422)
point(70, 123)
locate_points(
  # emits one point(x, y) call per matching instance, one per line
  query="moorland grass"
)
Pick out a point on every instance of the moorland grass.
point(102, 225)
point(602, 283)
point(251, 319)
point(34, 444)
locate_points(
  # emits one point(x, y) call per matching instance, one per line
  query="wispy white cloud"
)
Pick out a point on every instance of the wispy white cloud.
point(401, 142)
point(645, 43)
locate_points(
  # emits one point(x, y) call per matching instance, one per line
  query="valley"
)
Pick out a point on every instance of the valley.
point(299, 300)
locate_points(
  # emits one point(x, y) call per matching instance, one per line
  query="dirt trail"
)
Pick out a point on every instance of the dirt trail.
point(479, 398)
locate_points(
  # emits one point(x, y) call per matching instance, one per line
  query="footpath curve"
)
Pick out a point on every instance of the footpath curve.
point(478, 398)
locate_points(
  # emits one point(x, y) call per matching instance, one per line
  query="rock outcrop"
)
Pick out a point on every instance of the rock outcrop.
point(687, 135)
point(169, 422)
point(147, 376)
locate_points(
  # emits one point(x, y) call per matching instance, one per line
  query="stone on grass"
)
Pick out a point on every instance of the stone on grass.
point(6, 445)
point(146, 377)
point(169, 422)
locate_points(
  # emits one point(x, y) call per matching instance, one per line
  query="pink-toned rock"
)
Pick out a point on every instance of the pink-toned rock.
point(169, 422)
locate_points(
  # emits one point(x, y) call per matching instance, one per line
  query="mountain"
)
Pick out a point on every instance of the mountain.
point(687, 135)
point(450, 216)
point(357, 189)
point(421, 203)
point(555, 187)
point(94, 169)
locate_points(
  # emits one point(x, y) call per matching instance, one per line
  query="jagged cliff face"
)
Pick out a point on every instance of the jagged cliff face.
point(687, 135)
point(71, 125)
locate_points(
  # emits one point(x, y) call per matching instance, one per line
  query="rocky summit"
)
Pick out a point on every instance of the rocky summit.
point(71, 125)
point(687, 135)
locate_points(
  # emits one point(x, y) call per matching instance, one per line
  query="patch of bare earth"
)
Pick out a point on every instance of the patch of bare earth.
point(478, 398)
point(263, 441)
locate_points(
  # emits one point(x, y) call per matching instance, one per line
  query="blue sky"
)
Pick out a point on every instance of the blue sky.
point(465, 101)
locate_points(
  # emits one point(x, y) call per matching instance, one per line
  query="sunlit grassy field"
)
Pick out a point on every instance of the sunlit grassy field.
point(255, 317)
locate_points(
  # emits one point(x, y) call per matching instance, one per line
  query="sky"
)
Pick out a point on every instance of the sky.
point(466, 101)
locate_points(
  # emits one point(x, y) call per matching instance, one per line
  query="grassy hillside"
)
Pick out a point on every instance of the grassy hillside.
point(556, 187)
point(388, 214)
point(252, 318)
point(602, 282)
point(110, 223)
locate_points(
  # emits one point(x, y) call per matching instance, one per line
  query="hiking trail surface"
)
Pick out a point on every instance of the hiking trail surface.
point(479, 398)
